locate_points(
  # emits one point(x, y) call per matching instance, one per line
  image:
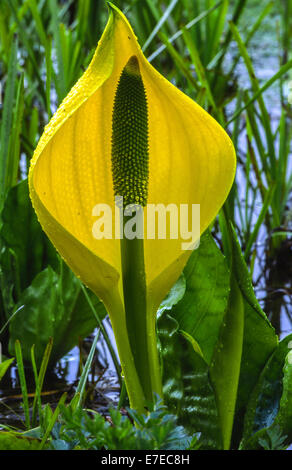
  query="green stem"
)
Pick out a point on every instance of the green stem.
point(116, 310)
point(139, 320)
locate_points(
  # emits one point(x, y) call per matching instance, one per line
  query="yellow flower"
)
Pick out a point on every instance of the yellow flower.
point(188, 159)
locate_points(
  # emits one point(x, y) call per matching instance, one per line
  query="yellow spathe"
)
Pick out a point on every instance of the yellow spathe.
point(191, 161)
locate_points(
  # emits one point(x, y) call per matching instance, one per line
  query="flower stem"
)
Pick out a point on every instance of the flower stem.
point(141, 331)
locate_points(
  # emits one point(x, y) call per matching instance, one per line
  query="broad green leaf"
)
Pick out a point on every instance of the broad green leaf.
point(284, 417)
point(225, 367)
point(24, 244)
point(33, 275)
point(186, 386)
point(4, 366)
point(201, 311)
point(264, 403)
point(247, 341)
point(270, 405)
point(259, 338)
point(54, 306)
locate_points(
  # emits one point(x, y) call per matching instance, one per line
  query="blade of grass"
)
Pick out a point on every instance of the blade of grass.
point(52, 421)
point(10, 318)
point(255, 135)
point(56, 28)
point(105, 335)
point(235, 18)
point(49, 65)
point(4, 366)
point(20, 368)
point(5, 36)
point(14, 144)
point(27, 44)
point(256, 87)
point(252, 237)
point(82, 15)
point(82, 381)
point(253, 30)
point(39, 379)
point(159, 24)
point(179, 33)
point(7, 118)
point(37, 403)
point(284, 69)
point(213, 38)
point(192, 10)
point(45, 362)
point(40, 28)
point(284, 153)
point(200, 71)
point(253, 159)
point(180, 62)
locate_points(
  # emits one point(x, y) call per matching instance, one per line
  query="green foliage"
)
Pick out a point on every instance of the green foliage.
point(158, 430)
point(187, 390)
point(4, 366)
point(29, 249)
point(226, 363)
point(22, 381)
point(273, 440)
point(33, 276)
point(244, 379)
point(17, 441)
point(241, 398)
point(63, 314)
point(207, 282)
point(268, 418)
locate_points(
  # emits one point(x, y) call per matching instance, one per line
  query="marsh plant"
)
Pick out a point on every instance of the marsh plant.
point(127, 204)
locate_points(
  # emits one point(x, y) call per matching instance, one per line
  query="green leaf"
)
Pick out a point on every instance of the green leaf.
point(186, 386)
point(54, 307)
point(12, 166)
point(259, 337)
point(270, 405)
point(22, 380)
point(264, 402)
point(284, 417)
point(32, 275)
point(7, 118)
point(52, 421)
point(225, 367)
point(4, 366)
point(201, 311)
point(273, 440)
point(24, 244)
point(256, 341)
